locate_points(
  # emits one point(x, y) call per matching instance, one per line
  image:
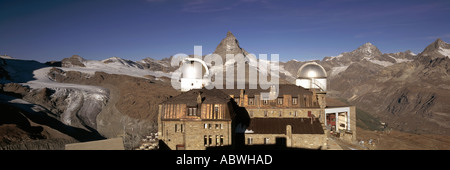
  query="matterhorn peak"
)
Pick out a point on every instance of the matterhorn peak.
point(229, 45)
point(229, 34)
point(368, 44)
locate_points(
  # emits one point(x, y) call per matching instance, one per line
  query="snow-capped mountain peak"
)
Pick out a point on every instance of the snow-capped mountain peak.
point(437, 49)
point(367, 50)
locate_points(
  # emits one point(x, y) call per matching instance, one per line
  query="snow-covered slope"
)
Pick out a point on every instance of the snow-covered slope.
point(80, 103)
point(444, 52)
point(83, 101)
point(116, 65)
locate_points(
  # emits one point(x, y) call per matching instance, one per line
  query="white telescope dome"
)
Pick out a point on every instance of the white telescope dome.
point(311, 70)
point(312, 76)
point(192, 70)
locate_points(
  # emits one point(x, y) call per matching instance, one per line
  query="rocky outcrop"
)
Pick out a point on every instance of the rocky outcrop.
point(157, 65)
point(15, 89)
point(75, 60)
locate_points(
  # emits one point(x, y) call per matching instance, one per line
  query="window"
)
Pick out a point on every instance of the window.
point(205, 140)
point(294, 101)
point(221, 140)
point(210, 139)
point(265, 102)
point(280, 113)
point(265, 113)
point(249, 141)
point(176, 127)
point(206, 125)
point(295, 113)
point(192, 111)
point(217, 126)
point(209, 126)
point(182, 127)
point(251, 101)
point(221, 126)
point(216, 109)
point(251, 113)
point(217, 140)
point(266, 141)
point(280, 101)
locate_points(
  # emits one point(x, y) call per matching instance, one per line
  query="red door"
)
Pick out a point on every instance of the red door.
point(180, 147)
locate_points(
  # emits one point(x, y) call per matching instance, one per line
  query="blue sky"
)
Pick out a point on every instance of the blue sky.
point(136, 29)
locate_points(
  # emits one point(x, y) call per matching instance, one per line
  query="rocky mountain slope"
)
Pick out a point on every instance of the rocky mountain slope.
point(80, 95)
point(409, 92)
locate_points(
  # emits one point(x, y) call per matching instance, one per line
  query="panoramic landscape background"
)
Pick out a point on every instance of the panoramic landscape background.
point(75, 71)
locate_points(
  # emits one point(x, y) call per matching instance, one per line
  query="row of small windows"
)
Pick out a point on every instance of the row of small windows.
point(280, 113)
point(180, 127)
point(210, 126)
point(192, 111)
point(208, 140)
point(251, 101)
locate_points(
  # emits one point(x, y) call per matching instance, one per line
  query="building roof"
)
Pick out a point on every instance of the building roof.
point(284, 89)
point(189, 98)
point(278, 126)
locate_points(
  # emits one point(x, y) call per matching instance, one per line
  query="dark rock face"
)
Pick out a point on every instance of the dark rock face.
point(54, 63)
point(3, 72)
point(15, 89)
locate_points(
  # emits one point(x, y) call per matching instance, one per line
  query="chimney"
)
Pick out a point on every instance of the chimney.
point(199, 103)
point(288, 136)
point(241, 98)
point(312, 118)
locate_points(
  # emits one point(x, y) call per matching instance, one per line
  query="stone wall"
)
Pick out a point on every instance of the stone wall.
point(309, 141)
point(192, 133)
